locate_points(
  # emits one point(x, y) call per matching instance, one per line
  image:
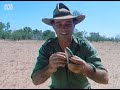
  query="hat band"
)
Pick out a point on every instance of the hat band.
point(62, 14)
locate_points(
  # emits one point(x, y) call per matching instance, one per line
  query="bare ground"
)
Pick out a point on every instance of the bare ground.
point(17, 60)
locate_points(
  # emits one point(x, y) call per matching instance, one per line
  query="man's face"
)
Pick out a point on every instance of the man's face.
point(63, 28)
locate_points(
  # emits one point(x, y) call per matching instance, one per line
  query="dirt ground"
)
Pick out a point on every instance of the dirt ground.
point(17, 60)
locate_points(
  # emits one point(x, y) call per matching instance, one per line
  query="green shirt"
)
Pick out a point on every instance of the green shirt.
point(63, 78)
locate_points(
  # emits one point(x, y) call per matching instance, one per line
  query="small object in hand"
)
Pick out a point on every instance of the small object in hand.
point(68, 53)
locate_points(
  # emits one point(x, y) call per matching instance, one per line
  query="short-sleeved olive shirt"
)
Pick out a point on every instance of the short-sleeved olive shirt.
point(64, 78)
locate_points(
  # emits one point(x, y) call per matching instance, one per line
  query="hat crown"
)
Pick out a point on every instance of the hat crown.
point(61, 5)
point(61, 10)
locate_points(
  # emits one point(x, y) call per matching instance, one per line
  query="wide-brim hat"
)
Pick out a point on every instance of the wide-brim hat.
point(62, 12)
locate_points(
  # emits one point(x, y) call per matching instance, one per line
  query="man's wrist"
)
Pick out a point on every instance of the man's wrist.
point(50, 69)
point(88, 67)
point(93, 67)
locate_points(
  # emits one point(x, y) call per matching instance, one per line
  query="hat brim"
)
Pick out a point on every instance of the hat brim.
point(77, 18)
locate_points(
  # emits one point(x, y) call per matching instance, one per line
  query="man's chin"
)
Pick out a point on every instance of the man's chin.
point(64, 36)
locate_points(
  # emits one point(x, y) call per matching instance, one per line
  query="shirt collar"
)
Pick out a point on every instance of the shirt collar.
point(75, 39)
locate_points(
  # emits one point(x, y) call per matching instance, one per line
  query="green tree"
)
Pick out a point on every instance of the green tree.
point(7, 27)
point(94, 36)
point(79, 33)
point(27, 33)
point(117, 38)
point(7, 31)
point(37, 34)
point(2, 27)
point(48, 34)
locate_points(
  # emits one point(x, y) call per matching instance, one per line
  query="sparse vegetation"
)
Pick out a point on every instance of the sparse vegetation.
point(26, 33)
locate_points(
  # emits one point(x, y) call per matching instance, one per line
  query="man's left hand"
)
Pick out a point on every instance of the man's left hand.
point(78, 65)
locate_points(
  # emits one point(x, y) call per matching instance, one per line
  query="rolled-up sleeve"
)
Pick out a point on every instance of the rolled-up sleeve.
point(42, 59)
point(93, 57)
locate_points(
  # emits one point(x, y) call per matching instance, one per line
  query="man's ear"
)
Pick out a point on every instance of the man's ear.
point(52, 22)
point(53, 25)
point(74, 21)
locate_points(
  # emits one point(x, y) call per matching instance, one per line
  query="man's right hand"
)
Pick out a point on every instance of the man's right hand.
point(57, 60)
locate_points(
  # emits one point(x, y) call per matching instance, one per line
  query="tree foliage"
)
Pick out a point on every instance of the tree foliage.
point(48, 34)
point(26, 33)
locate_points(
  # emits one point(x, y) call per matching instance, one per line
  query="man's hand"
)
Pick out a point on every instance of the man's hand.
point(76, 65)
point(57, 60)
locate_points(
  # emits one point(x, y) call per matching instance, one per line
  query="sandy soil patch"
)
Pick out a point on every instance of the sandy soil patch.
point(17, 59)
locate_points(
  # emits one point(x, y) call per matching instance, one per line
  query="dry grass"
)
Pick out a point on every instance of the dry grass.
point(17, 60)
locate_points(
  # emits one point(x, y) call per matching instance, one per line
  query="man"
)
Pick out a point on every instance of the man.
point(52, 59)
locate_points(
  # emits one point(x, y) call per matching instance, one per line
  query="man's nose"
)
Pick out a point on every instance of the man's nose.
point(63, 27)
point(63, 30)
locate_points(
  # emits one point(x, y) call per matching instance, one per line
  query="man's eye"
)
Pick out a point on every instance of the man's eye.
point(68, 25)
point(58, 25)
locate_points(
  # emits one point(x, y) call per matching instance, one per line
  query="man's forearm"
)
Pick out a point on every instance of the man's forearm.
point(41, 76)
point(100, 76)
